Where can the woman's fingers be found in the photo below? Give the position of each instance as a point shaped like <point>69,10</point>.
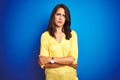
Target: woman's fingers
<point>74,66</point>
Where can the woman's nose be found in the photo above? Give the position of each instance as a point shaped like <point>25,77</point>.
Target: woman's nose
<point>60,17</point>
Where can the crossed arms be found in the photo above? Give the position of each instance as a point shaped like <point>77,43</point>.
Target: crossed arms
<point>59,62</point>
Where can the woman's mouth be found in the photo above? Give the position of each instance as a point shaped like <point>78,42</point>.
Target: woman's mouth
<point>59,21</point>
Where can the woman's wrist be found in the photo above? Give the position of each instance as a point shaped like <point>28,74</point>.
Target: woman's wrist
<point>52,61</point>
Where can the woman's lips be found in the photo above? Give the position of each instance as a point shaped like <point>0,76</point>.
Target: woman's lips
<point>59,21</point>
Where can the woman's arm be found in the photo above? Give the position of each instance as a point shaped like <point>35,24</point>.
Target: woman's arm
<point>64,60</point>
<point>53,65</point>
<point>58,65</point>
<point>59,62</point>
<point>44,61</point>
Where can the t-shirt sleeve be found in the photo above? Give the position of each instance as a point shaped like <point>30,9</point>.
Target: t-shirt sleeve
<point>44,45</point>
<point>74,47</point>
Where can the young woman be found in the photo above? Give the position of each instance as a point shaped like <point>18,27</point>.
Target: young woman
<point>59,49</point>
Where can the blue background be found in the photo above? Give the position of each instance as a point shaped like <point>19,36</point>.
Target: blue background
<point>97,23</point>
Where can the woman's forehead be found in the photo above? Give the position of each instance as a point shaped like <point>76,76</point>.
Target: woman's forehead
<point>60,10</point>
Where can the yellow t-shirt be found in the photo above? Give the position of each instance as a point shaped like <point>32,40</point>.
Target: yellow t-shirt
<point>51,48</point>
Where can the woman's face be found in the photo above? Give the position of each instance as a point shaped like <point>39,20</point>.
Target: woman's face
<point>60,17</point>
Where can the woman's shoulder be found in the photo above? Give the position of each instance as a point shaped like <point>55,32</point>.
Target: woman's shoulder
<point>73,32</point>
<point>45,34</point>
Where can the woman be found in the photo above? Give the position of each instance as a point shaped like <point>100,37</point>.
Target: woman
<point>59,50</point>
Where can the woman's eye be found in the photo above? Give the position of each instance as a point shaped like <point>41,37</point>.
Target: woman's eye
<point>58,14</point>
<point>64,15</point>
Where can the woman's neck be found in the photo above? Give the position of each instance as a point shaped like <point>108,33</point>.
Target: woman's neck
<point>58,29</point>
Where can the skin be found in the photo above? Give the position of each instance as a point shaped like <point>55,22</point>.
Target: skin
<point>62,61</point>
<point>59,22</point>
<point>59,18</point>
<point>59,62</point>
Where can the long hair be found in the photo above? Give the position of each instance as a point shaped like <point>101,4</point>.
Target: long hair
<point>66,27</point>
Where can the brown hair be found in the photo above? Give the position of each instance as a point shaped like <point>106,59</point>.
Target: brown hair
<point>66,27</point>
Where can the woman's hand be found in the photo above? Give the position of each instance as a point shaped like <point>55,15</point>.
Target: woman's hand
<point>73,65</point>
<point>44,60</point>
